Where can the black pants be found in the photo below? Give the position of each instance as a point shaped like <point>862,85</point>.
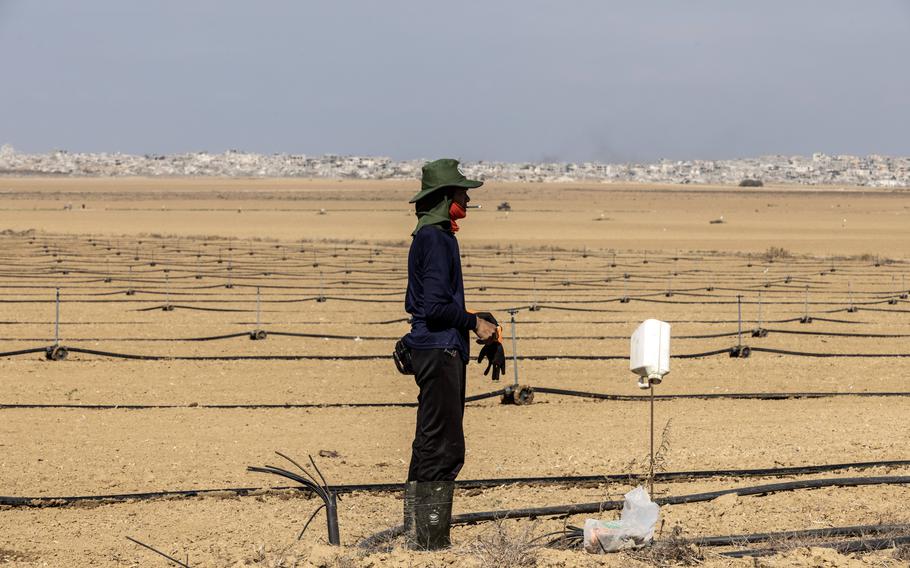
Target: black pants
<point>437,453</point>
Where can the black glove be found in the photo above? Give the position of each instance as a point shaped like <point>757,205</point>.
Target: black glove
<point>496,356</point>
<point>487,316</point>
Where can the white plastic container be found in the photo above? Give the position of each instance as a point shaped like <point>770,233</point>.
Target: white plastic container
<point>650,352</point>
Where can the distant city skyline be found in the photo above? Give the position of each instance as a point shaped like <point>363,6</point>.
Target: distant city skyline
<point>508,81</point>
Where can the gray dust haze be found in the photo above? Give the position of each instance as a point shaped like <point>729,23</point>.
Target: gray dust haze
<point>509,80</point>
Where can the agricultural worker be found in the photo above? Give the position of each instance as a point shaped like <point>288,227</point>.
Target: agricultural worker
<point>439,351</point>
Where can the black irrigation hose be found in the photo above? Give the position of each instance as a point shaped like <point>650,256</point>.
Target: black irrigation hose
<point>215,337</point>
<point>716,396</point>
<point>741,539</point>
<point>246,406</point>
<point>525,338</point>
<point>846,547</point>
<point>835,333</point>
<point>810,354</point>
<point>712,353</point>
<point>573,536</point>
<point>474,398</point>
<point>23,352</point>
<point>227,357</point>
<point>197,308</point>
<point>461,484</point>
<point>599,506</point>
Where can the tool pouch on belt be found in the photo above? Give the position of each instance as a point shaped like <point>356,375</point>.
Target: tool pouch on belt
<point>402,357</point>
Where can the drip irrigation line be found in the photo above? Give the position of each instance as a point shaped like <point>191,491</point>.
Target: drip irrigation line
<point>569,309</point>
<point>712,353</point>
<point>243,406</point>
<point>573,537</point>
<point>741,539</point>
<point>845,547</point>
<point>810,354</point>
<point>197,308</point>
<point>394,337</point>
<point>461,484</point>
<point>474,398</point>
<point>756,490</point>
<point>227,357</point>
<point>332,336</point>
<point>718,396</point>
<point>895,310</point>
<point>600,506</point>
<point>835,333</point>
<point>23,352</point>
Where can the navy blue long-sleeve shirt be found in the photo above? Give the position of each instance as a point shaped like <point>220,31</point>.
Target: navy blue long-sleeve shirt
<point>435,295</point>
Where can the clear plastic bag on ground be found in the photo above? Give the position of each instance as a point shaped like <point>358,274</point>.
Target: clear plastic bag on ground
<point>634,528</point>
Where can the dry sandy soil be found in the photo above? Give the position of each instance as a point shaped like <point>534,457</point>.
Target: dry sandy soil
<point>97,424</point>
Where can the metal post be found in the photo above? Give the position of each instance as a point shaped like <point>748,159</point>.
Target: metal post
<point>514,349</point>
<point>167,289</point>
<point>807,302</point>
<point>651,465</point>
<point>759,309</point>
<point>57,321</point>
<point>739,326</point>
<point>850,294</point>
<point>257,308</point>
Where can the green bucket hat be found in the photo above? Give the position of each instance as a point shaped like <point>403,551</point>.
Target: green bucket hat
<point>442,173</point>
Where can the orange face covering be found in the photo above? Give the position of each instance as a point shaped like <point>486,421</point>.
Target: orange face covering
<point>456,212</point>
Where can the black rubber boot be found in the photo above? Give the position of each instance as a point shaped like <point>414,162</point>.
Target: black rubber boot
<point>410,490</point>
<point>432,515</point>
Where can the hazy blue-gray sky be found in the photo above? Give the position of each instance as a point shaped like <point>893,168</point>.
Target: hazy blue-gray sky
<point>494,80</point>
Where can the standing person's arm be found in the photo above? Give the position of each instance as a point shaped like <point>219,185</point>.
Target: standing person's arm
<point>439,308</point>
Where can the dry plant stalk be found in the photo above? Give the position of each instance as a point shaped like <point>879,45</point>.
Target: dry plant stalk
<point>675,550</point>
<point>643,463</point>
<point>504,547</point>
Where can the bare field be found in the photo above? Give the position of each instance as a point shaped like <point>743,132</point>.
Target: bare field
<point>329,261</point>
